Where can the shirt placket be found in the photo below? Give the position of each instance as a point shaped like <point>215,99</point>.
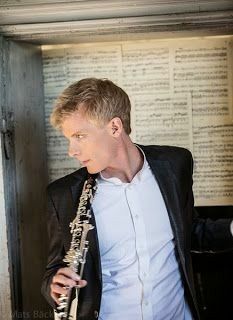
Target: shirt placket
<point>141,249</point>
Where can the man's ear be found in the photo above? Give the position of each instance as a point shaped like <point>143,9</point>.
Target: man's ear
<point>115,127</point>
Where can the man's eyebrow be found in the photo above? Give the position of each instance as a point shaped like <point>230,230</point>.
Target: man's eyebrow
<point>76,133</point>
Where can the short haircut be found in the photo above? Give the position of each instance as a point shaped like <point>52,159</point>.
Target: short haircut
<point>99,99</point>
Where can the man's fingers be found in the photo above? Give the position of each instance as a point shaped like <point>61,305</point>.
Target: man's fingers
<point>81,283</point>
<point>69,273</point>
<point>57,289</point>
<point>63,280</point>
<point>55,298</point>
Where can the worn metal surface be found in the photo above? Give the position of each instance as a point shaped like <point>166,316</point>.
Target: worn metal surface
<point>5,292</point>
<point>25,11</point>
<point>27,100</point>
<point>25,176</point>
<point>5,296</point>
<point>9,253</point>
<point>83,21</point>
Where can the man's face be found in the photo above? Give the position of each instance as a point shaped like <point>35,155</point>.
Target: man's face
<point>91,144</point>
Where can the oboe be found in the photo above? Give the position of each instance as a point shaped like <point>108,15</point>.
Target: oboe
<point>76,255</point>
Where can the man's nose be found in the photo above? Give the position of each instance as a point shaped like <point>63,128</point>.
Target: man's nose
<point>74,151</point>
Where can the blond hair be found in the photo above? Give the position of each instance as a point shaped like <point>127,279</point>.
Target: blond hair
<point>100,99</point>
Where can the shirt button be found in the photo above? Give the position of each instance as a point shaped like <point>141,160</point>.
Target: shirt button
<point>136,216</point>
<point>146,303</point>
<point>144,274</point>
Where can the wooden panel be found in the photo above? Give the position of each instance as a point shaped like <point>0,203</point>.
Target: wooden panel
<point>24,104</point>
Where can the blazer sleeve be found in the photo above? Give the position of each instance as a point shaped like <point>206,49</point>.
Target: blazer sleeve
<point>56,249</point>
<point>208,235</point>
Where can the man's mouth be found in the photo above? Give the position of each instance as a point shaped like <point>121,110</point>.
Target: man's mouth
<point>85,162</point>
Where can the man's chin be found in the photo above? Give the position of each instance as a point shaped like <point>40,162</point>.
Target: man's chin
<point>92,170</point>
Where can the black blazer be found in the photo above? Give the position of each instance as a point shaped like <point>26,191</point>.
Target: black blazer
<point>172,168</point>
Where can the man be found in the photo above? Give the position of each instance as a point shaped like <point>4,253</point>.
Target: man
<point>138,264</point>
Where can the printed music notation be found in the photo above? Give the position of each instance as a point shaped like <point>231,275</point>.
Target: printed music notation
<point>181,94</point>
<point>161,119</point>
<point>213,150</point>
<point>61,67</point>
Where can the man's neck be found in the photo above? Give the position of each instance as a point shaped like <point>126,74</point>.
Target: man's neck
<point>128,161</point>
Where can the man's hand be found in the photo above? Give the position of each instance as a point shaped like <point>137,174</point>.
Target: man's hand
<point>65,277</point>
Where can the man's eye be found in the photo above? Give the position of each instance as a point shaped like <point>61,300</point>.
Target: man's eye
<point>80,136</point>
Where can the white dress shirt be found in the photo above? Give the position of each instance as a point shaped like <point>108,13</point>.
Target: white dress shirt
<point>141,278</point>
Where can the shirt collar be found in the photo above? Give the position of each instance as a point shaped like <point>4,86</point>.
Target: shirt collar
<point>140,175</point>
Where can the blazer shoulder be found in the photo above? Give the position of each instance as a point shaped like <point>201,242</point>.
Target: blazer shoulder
<point>166,152</point>
<point>180,159</point>
<point>179,154</point>
<point>67,181</point>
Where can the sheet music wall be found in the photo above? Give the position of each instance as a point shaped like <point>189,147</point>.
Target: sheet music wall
<point>181,94</point>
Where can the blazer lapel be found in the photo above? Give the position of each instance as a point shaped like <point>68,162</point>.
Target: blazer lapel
<point>76,191</point>
<point>68,210</point>
<point>77,186</point>
<point>166,180</point>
